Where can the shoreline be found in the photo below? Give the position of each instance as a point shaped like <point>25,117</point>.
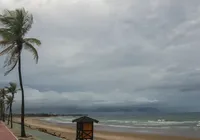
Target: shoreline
<point>68,132</point>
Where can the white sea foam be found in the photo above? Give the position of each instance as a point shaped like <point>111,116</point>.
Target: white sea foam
<point>160,123</point>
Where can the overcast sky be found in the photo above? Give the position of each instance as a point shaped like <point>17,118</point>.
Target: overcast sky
<point>112,52</point>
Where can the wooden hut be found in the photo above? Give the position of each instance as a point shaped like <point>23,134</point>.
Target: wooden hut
<point>85,128</point>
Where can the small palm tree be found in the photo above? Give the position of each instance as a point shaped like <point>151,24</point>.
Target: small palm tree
<point>3,94</point>
<point>9,103</point>
<point>13,90</point>
<point>16,24</point>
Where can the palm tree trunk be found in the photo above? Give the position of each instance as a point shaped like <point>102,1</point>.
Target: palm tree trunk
<point>11,115</point>
<point>8,116</point>
<point>3,110</point>
<point>11,122</point>
<point>23,134</point>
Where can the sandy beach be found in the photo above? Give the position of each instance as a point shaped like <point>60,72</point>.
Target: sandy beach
<point>68,132</point>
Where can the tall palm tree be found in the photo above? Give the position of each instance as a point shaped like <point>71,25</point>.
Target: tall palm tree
<point>11,89</point>
<point>9,102</point>
<point>3,94</point>
<point>16,24</point>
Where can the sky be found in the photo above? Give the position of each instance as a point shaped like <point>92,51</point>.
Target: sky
<point>98,53</point>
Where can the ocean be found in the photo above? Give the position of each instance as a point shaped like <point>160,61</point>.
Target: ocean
<point>177,124</point>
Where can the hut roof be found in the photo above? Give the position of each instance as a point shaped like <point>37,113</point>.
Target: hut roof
<point>85,119</point>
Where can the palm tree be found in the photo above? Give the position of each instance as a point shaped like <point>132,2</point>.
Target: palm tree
<point>11,89</point>
<point>3,94</point>
<point>16,24</point>
<point>9,102</point>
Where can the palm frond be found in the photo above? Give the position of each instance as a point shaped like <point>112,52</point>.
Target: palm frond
<point>8,106</point>
<point>31,49</point>
<point>33,41</point>
<point>10,69</point>
<point>5,42</point>
<point>9,98</point>
<point>7,34</point>
<point>18,22</point>
<point>13,85</point>
<point>3,92</point>
<point>12,56</point>
<point>11,60</point>
<point>12,88</point>
<point>27,24</point>
<point>24,21</point>
<point>8,49</point>
<point>9,101</point>
<point>7,18</point>
<point>1,100</point>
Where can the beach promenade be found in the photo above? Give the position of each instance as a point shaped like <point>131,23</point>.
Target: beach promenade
<point>5,133</point>
<point>37,134</point>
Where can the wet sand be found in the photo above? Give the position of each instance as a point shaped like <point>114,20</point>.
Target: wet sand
<point>68,132</point>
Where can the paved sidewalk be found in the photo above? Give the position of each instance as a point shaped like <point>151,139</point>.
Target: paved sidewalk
<point>5,133</point>
<point>37,134</point>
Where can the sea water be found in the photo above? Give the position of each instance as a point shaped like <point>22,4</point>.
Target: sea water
<point>179,124</point>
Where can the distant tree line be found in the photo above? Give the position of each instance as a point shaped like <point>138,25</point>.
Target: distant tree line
<point>48,115</point>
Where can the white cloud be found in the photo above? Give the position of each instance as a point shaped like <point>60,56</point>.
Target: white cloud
<point>36,98</point>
